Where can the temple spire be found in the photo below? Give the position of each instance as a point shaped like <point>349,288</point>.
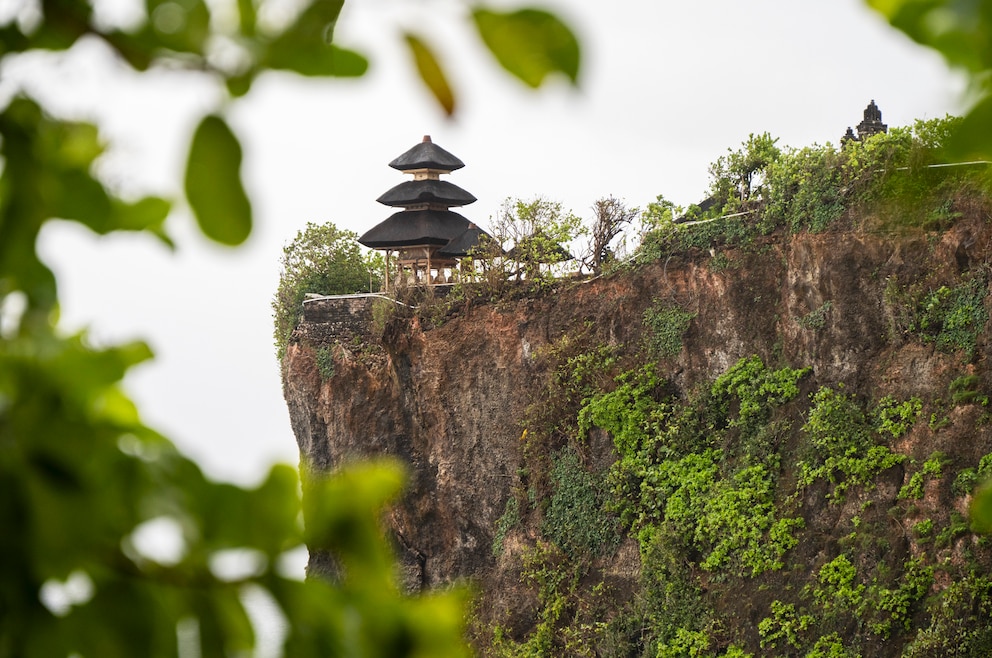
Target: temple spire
<point>871,124</point>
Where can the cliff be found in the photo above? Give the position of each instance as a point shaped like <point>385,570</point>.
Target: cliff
<point>824,520</point>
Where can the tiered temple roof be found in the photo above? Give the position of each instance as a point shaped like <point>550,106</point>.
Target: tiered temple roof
<point>427,155</point>
<point>428,190</point>
<point>426,235</point>
<point>414,228</point>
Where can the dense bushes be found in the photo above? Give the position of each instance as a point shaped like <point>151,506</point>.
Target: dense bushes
<point>760,189</point>
<point>714,488</point>
<point>324,260</point>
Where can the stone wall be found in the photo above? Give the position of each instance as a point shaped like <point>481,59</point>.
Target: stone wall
<point>339,316</point>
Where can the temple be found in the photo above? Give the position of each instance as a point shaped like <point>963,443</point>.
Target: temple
<point>870,125</point>
<point>424,242</point>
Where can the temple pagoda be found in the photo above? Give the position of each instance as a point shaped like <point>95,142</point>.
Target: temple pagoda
<point>870,125</point>
<point>424,241</point>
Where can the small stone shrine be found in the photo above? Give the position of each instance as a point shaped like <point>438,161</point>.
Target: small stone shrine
<point>424,242</point>
<point>870,125</point>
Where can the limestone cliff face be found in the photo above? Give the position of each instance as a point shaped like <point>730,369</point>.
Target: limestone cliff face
<point>449,399</point>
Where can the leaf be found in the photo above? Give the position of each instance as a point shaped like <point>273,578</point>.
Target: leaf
<point>179,25</point>
<point>958,30</point>
<point>147,214</point>
<point>248,15</point>
<point>341,514</point>
<point>265,518</point>
<point>431,73</point>
<point>972,138</point>
<point>529,43</point>
<point>305,47</point>
<point>213,183</point>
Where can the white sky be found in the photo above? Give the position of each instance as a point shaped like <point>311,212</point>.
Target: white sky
<point>666,88</point>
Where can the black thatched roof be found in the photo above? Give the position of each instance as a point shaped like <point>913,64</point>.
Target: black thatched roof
<point>427,155</point>
<point>413,227</point>
<point>464,243</point>
<point>426,191</point>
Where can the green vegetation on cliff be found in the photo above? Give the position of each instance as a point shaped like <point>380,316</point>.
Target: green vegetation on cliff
<point>729,493</point>
<point>773,511</point>
<point>892,181</point>
<point>323,260</point>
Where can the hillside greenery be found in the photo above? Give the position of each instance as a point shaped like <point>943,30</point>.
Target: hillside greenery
<point>715,487</point>
<point>892,181</point>
<point>772,513</point>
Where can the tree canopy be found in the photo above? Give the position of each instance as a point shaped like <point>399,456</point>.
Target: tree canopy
<point>325,260</point>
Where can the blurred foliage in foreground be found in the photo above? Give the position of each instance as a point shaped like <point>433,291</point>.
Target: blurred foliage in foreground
<point>83,482</point>
<point>960,32</point>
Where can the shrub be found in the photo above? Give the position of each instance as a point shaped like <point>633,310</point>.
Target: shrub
<point>666,325</point>
<point>965,390</point>
<point>509,519</point>
<point>952,318</point>
<point>784,624</point>
<point>817,318</point>
<point>756,389</point>
<point>630,413</point>
<point>896,418</point>
<point>325,362</point>
<point>959,622</point>
<point>324,260</point>
<point>804,189</point>
<point>576,519</point>
<point>842,448</point>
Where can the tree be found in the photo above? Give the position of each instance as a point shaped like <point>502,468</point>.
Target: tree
<point>528,235</point>
<point>81,476</point>
<point>659,213</point>
<point>324,260</point>
<point>610,216</point>
<point>736,175</point>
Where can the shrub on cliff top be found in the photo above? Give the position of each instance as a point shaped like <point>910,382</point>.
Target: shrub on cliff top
<point>321,259</point>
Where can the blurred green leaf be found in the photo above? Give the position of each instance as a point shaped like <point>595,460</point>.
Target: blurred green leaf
<point>265,518</point>
<point>317,60</point>
<point>179,25</point>
<point>213,183</point>
<point>144,618</point>
<point>972,137</point>
<point>305,47</point>
<point>247,15</point>
<point>147,214</point>
<point>342,516</point>
<point>431,73</point>
<point>239,85</point>
<point>224,627</point>
<point>529,43</point>
<point>962,33</point>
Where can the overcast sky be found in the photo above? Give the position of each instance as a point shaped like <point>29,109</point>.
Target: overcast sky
<point>666,88</point>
